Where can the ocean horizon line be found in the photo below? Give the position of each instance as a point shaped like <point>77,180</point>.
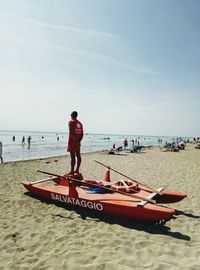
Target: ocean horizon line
<point>93,133</point>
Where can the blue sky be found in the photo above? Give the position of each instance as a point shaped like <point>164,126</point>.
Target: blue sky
<point>127,66</point>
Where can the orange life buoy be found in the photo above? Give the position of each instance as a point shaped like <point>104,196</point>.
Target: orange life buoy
<point>125,186</point>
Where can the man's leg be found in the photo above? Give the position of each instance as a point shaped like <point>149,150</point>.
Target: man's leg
<point>78,156</point>
<point>72,162</point>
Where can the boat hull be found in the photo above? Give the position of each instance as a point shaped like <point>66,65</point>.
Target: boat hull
<point>169,197</point>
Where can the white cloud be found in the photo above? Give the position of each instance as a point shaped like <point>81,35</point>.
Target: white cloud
<point>61,27</point>
<point>102,58</point>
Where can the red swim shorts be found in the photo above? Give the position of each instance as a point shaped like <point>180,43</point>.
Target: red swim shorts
<point>72,148</point>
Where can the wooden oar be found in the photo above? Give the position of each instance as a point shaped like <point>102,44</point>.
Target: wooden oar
<point>103,187</point>
<point>108,167</point>
<point>42,180</point>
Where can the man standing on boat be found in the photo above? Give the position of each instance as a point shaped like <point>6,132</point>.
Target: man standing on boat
<point>74,142</point>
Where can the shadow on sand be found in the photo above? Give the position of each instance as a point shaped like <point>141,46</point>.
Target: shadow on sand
<point>149,227</point>
<point>182,213</point>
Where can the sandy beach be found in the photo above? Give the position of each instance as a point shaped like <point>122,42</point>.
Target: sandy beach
<point>36,235</point>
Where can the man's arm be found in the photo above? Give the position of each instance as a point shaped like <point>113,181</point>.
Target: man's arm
<point>81,137</point>
<point>72,133</point>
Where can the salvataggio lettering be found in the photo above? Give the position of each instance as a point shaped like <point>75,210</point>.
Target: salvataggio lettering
<point>77,202</point>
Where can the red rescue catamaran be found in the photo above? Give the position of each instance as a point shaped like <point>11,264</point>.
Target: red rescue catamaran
<point>124,199</point>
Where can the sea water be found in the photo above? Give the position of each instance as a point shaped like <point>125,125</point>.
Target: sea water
<point>50,144</point>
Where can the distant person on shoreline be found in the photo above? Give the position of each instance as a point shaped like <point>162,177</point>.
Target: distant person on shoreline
<point>23,140</point>
<point>13,138</point>
<point>1,146</point>
<point>29,141</point>
<point>133,142</point>
<point>125,143</point>
<point>74,142</point>
<point>136,141</point>
<point>112,150</point>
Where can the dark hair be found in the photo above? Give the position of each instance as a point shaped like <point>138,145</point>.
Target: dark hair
<point>74,113</point>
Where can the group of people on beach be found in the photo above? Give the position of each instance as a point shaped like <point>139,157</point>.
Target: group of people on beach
<point>13,139</point>
<point>195,140</point>
<point>135,146</point>
<point>133,143</point>
<point>28,140</point>
<point>23,140</point>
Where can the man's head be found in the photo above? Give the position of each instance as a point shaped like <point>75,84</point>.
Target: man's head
<point>74,115</point>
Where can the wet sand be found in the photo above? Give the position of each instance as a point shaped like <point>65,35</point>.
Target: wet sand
<point>36,235</point>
